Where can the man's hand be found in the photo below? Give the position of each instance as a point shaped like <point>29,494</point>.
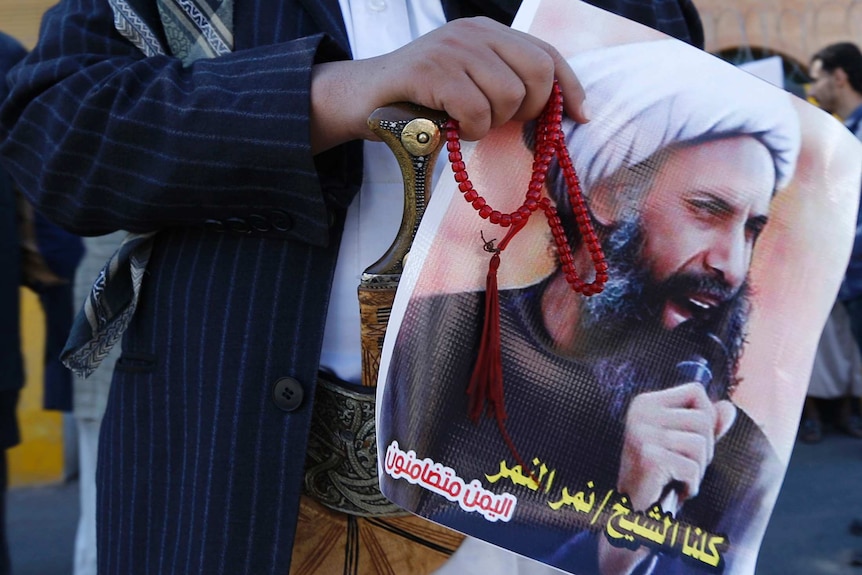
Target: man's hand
<point>478,71</point>
<point>670,437</point>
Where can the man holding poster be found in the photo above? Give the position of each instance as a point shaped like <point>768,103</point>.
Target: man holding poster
<point>630,451</point>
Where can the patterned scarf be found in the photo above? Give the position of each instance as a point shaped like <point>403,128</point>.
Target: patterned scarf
<point>194,29</point>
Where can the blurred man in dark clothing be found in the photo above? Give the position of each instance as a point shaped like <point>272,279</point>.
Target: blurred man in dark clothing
<point>11,366</point>
<point>836,73</point>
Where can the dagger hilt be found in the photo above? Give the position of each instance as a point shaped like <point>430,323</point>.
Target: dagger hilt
<point>414,134</point>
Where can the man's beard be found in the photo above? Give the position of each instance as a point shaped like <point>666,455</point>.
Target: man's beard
<point>625,340</point>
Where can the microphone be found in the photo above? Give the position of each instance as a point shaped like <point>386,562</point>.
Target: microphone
<point>694,369</point>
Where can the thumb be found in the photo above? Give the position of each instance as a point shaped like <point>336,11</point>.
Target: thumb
<point>725,415</point>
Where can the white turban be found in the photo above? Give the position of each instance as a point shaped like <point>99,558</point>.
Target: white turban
<point>645,96</point>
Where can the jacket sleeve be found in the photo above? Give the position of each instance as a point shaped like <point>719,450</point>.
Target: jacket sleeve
<point>102,138</point>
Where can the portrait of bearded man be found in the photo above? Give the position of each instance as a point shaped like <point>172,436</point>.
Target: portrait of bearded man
<point>628,392</point>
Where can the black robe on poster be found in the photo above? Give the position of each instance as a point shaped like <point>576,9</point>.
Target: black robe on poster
<point>559,415</point>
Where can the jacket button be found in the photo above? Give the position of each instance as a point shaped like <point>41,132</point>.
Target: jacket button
<point>238,225</point>
<point>214,225</point>
<point>259,223</point>
<point>281,221</point>
<point>287,394</point>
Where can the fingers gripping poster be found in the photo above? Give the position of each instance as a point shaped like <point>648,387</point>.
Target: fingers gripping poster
<point>648,427</point>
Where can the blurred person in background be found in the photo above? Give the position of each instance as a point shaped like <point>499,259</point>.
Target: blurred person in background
<point>836,86</point>
<point>837,372</point>
<point>11,364</point>
<point>90,395</point>
<point>836,74</point>
<point>61,252</point>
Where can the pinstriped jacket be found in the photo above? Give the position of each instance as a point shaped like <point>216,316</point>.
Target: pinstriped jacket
<point>200,462</point>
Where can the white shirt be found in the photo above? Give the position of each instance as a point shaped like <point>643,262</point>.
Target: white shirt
<point>374,27</point>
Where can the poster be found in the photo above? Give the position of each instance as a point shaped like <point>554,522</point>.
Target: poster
<point>648,428</point>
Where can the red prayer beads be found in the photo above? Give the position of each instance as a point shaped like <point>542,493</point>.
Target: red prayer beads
<point>550,142</point>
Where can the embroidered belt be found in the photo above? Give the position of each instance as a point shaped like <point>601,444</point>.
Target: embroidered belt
<point>341,461</point>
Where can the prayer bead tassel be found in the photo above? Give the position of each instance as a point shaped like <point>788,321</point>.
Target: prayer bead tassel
<point>486,382</point>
